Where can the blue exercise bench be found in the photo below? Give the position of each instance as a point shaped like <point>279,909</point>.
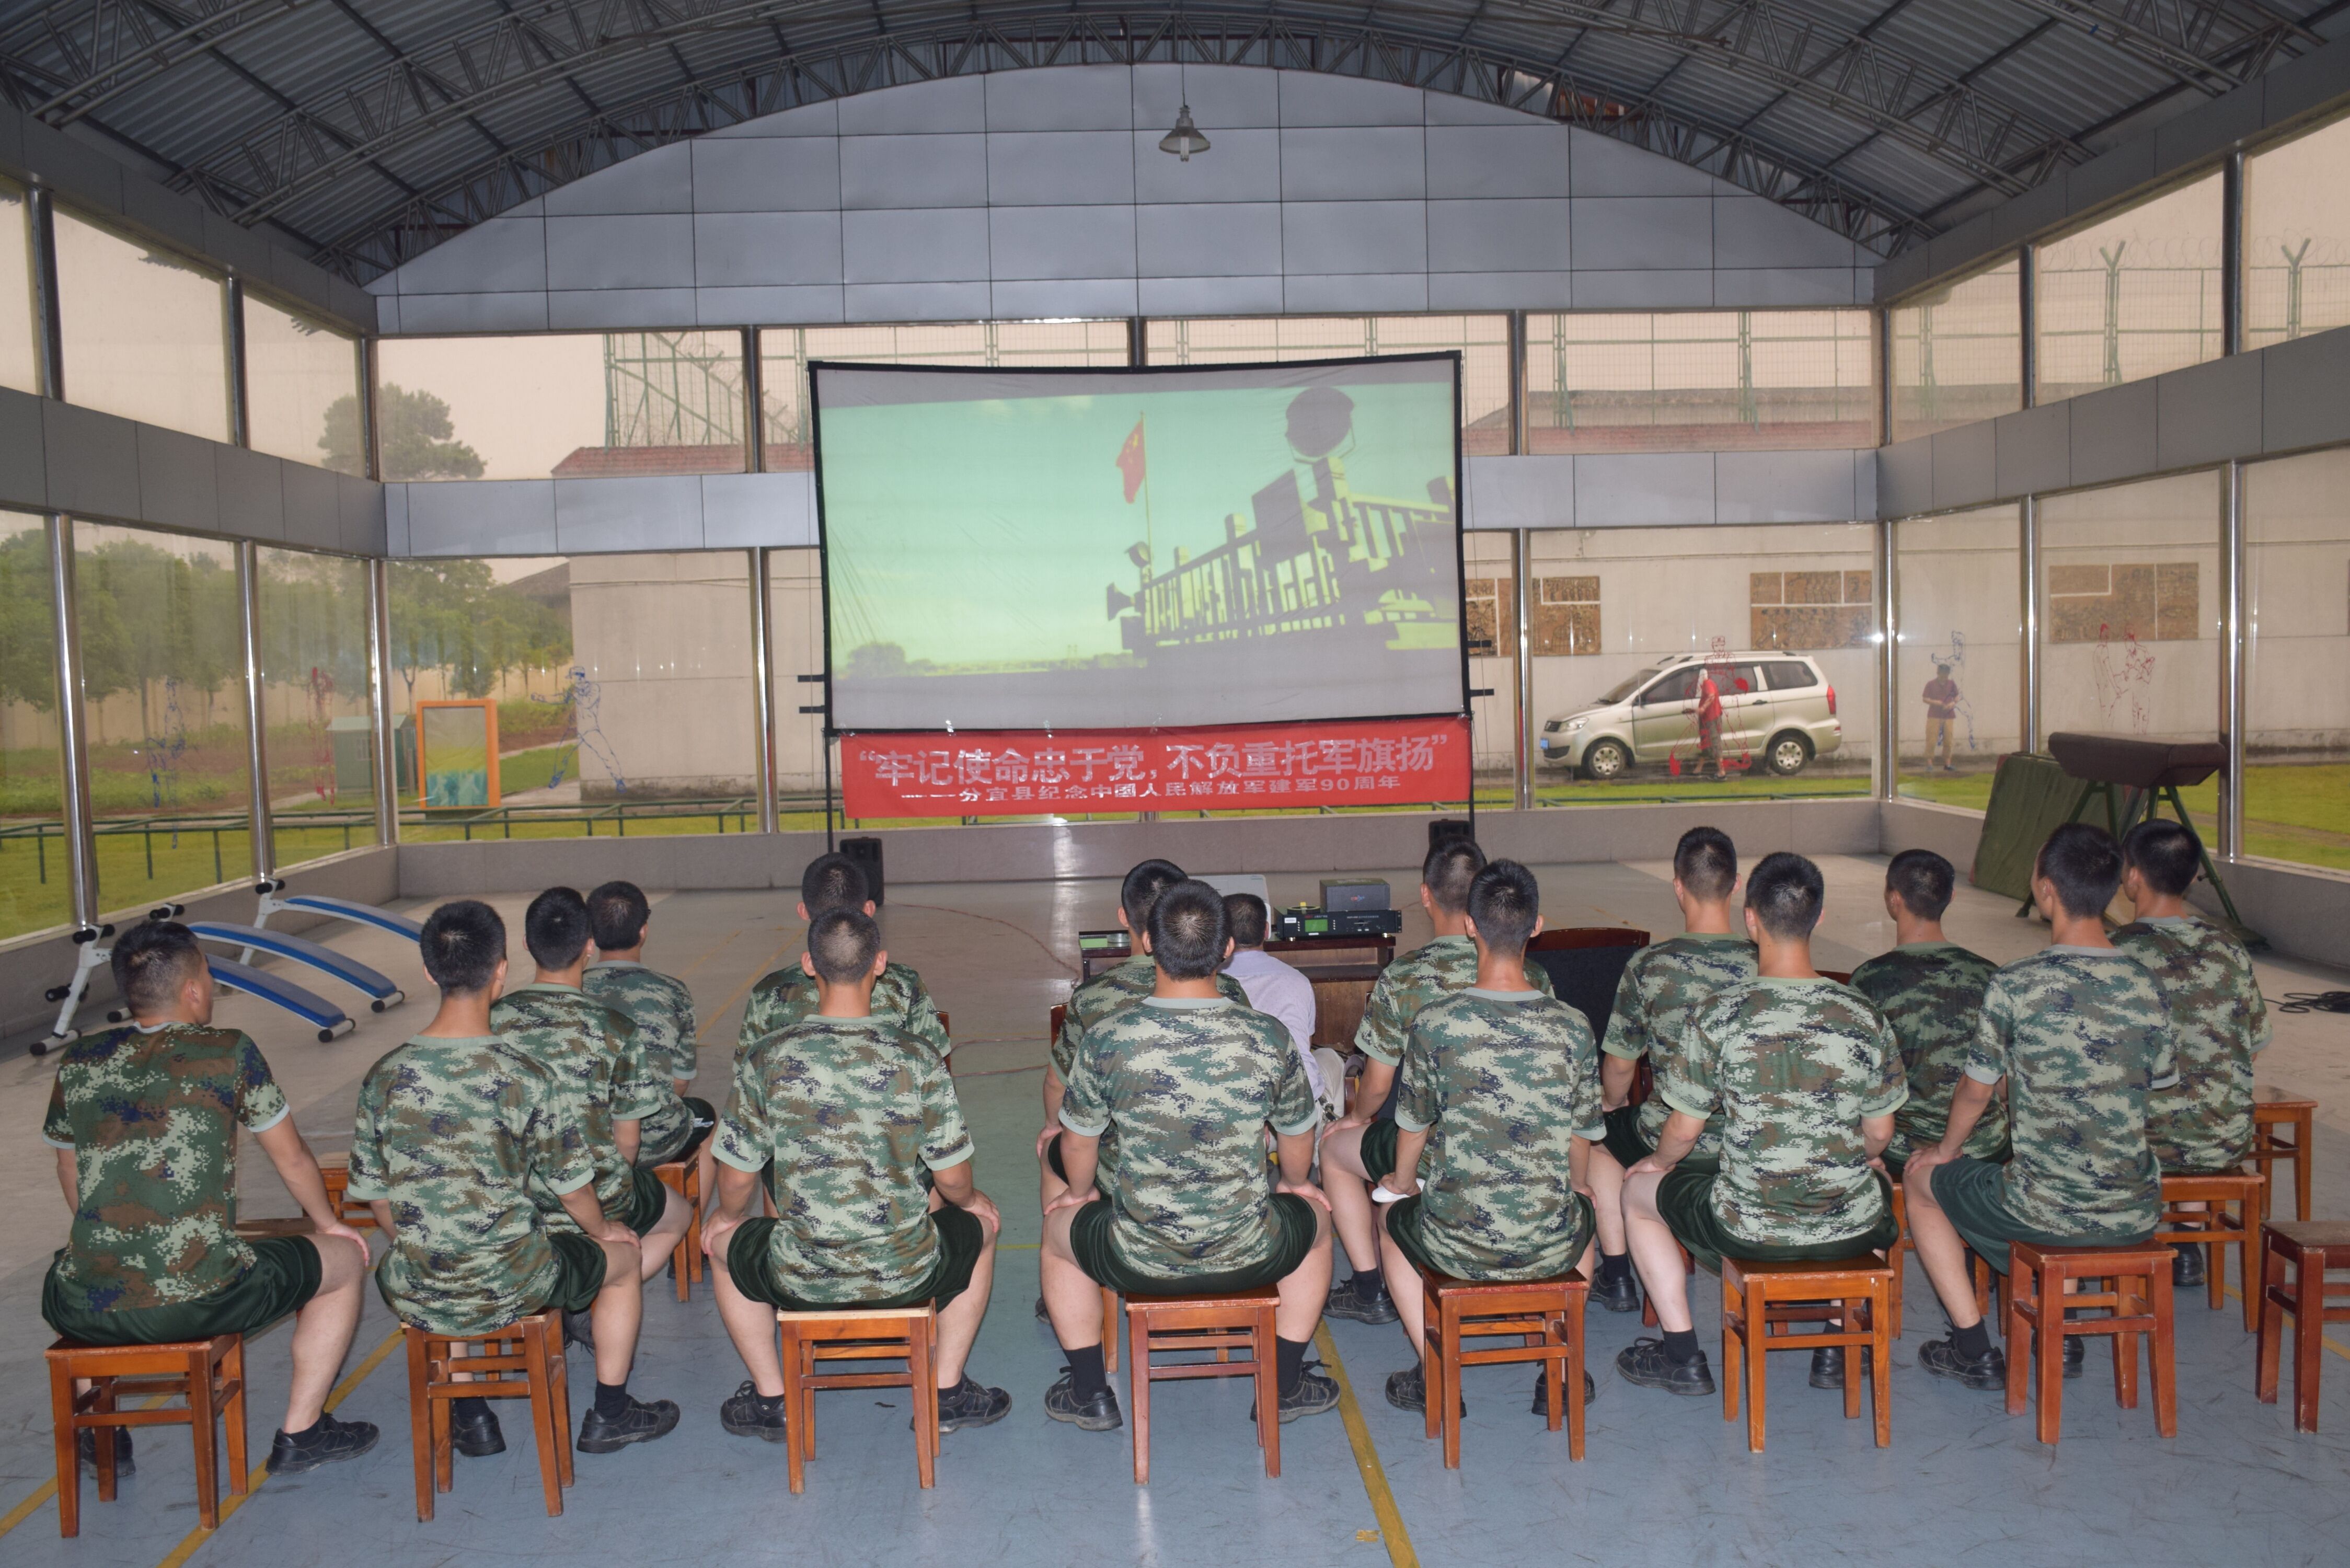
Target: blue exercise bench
<point>91,955</point>
<point>373,983</point>
<point>334,908</point>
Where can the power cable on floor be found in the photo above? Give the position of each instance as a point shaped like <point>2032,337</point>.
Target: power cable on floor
<point>2314,1001</point>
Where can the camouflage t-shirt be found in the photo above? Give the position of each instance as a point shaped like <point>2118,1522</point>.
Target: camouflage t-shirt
<point>1425,975</point>
<point>1120,985</point>
<point>2083,1037</point>
<point>454,1134</point>
<point>1792,1066</point>
<point>1502,1082</point>
<point>662,1007</point>
<point>784,996</point>
<point>2218,1023</point>
<point>600,1068</point>
<point>1658,1000</point>
<point>1931,992</point>
<point>152,1118</point>
<point>850,1110</point>
<point>1189,1083</point>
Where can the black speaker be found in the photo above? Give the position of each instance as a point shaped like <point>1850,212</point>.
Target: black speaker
<point>1444,828</point>
<point>867,852</point>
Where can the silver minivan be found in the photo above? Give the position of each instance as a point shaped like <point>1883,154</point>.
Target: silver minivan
<point>1778,712</point>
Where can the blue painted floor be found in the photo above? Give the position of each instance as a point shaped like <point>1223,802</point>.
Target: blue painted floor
<point>1666,1480</point>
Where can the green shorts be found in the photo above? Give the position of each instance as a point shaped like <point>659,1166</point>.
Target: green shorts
<point>1685,1200</point>
<point>641,1205</point>
<point>1405,1221</point>
<point>701,1117</point>
<point>750,1261</point>
<point>1973,1194</point>
<point>1090,1244</point>
<point>283,1278</point>
<point>1630,1145</point>
<point>1378,1149</point>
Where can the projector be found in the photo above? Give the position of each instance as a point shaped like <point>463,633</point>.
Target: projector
<point>1308,921</point>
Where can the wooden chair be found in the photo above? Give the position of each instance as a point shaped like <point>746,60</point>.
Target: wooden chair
<point>2135,1287</point>
<point>859,1334</point>
<point>2273,1111</point>
<point>2311,1249</point>
<point>1546,1316</point>
<point>209,1374</point>
<point>335,1170</point>
<point>1896,1259</point>
<point>523,1360</point>
<point>683,1176</point>
<point>1242,1321</point>
<point>2211,1229</point>
<point>1759,1296</point>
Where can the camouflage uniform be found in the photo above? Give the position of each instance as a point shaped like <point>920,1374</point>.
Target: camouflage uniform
<point>152,1118</point>
<point>1117,986</point>
<point>1657,1002</point>
<point>2219,1022</point>
<point>599,1067</point>
<point>786,996</point>
<point>1189,1083</point>
<point>455,1135</point>
<point>1931,994</point>
<point>1502,1082</point>
<point>662,1007</point>
<point>1792,1066</point>
<point>849,1110</point>
<point>2083,1037</point>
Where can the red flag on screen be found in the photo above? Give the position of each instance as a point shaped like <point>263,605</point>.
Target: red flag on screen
<point>1130,462</point>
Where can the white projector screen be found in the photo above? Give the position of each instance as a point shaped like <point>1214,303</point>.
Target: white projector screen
<point>1032,549</point>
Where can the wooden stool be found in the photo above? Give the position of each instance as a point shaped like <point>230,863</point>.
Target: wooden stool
<point>859,1334</point>
<point>2311,1250</point>
<point>1109,1329</point>
<point>2036,1324</point>
<point>2215,1233</point>
<point>523,1360</point>
<point>1757,1295</point>
<point>335,1170</point>
<point>1222,1323</point>
<point>2273,1109</point>
<point>683,1176</point>
<point>1546,1318</point>
<point>207,1373</point>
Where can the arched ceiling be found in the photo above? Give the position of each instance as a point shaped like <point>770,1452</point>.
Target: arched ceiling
<point>366,132</point>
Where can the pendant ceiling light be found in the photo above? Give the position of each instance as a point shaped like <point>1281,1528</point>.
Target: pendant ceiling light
<point>1185,138</point>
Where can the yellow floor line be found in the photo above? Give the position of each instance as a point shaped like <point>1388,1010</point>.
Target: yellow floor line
<point>701,1035</point>
<point>1393,1533</point>
<point>260,1472</point>
<point>48,1488</point>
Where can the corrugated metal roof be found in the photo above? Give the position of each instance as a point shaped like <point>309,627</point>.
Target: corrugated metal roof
<point>373,128</point>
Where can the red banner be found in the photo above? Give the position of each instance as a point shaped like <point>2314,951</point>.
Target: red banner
<point>1254,767</point>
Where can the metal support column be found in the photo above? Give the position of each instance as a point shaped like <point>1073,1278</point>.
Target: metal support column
<point>240,420</point>
<point>379,709</point>
<point>81,846</point>
<point>1137,342</point>
<point>1523,545</point>
<point>2027,316</point>
<point>370,446</point>
<point>257,737</point>
<point>1517,382</point>
<point>1888,624</point>
<point>762,683</point>
<point>2028,602</point>
<point>48,317</point>
<point>755,404</point>
<point>2236,630</point>
<point>2231,254</point>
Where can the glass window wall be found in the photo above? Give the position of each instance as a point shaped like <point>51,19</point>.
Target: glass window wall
<point>2297,237</point>
<point>1700,380</point>
<point>1483,342</point>
<point>33,893</point>
<point>301,388</point>
<point>314,699</point>
<point>595,405</point>
<point>2130,297</point>
<point>1490,628</point>
<point>146,331</point>
<point>1628,624</point>
<point>19,336</point>
<point>2297,705</point>
<point>1958,663</point>
<point>162,649</point>
<point>1957,353</point>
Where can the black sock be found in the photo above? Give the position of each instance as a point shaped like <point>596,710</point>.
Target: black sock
<point>1087,1377</point>
<point>1289,1364</point>
<point>611,1400</point>
<point>1369,1282</point>
<point>303,1435</point>
<point>471,1409</point>
<point>1971,1341</point>
<point>1681,1346</point>
<point>768,1407</point>
<point>1614,1266</point>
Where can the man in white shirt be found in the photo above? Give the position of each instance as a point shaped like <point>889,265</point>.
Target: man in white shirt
<point>1273,987</point>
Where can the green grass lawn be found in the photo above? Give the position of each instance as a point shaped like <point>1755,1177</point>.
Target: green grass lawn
<point>2292,811</point>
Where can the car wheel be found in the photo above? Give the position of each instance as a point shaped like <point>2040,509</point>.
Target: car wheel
<point>1788,754</point>
<point>1605,761</point>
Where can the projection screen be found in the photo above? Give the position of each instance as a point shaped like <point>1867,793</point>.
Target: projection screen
<point>1032,549</point>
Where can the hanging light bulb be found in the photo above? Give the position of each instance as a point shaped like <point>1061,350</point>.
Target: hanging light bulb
<point>1185,138</point>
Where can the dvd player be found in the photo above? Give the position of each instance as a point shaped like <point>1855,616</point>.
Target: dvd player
<point>1308,921</point>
